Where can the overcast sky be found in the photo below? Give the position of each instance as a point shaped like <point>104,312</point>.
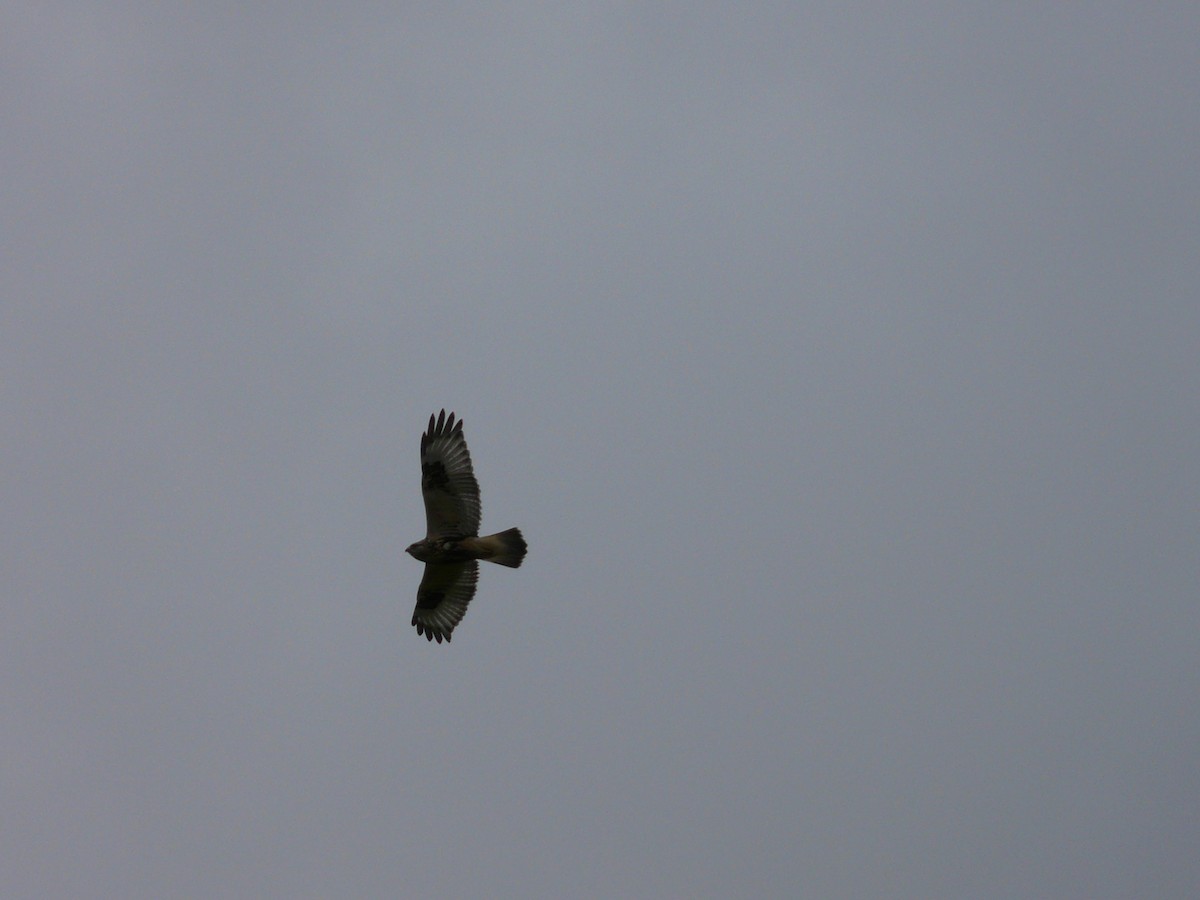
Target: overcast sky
<point>838,361</point>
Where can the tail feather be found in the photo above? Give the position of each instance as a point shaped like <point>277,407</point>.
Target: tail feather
<point>506,548</point>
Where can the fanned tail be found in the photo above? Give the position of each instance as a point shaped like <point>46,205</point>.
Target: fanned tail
<point>506,548</point>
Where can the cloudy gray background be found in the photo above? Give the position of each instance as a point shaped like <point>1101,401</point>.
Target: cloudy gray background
<point>838,361</point>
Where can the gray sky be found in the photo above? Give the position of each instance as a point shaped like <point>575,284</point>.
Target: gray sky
<point>838,361</point>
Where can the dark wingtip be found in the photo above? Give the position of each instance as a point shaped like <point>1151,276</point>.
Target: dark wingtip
<point>442,423</point>
<point>431,634</point>
<point>439,424</point>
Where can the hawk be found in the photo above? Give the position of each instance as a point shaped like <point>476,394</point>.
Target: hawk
<point>452,544</point>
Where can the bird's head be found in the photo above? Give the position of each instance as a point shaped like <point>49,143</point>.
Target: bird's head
<point>419,550</point>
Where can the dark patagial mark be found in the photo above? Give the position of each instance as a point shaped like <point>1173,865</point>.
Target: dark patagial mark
<point>430,600</point>
<point>434,475</point>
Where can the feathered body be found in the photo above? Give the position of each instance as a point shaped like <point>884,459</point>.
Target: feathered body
<point>452,544</point>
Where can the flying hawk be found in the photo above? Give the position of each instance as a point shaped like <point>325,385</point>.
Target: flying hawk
<point>452,543</point>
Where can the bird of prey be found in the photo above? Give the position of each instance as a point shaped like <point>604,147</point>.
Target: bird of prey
<point>452,544</point>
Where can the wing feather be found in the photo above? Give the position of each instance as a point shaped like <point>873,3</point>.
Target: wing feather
<point>442,598</point>
<point>452,505</point>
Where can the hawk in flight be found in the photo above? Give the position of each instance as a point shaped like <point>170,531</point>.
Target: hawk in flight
<point>452,543</point>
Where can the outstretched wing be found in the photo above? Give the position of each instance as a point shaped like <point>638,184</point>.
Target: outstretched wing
<point>448,481</point>
<point>442,598</point>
